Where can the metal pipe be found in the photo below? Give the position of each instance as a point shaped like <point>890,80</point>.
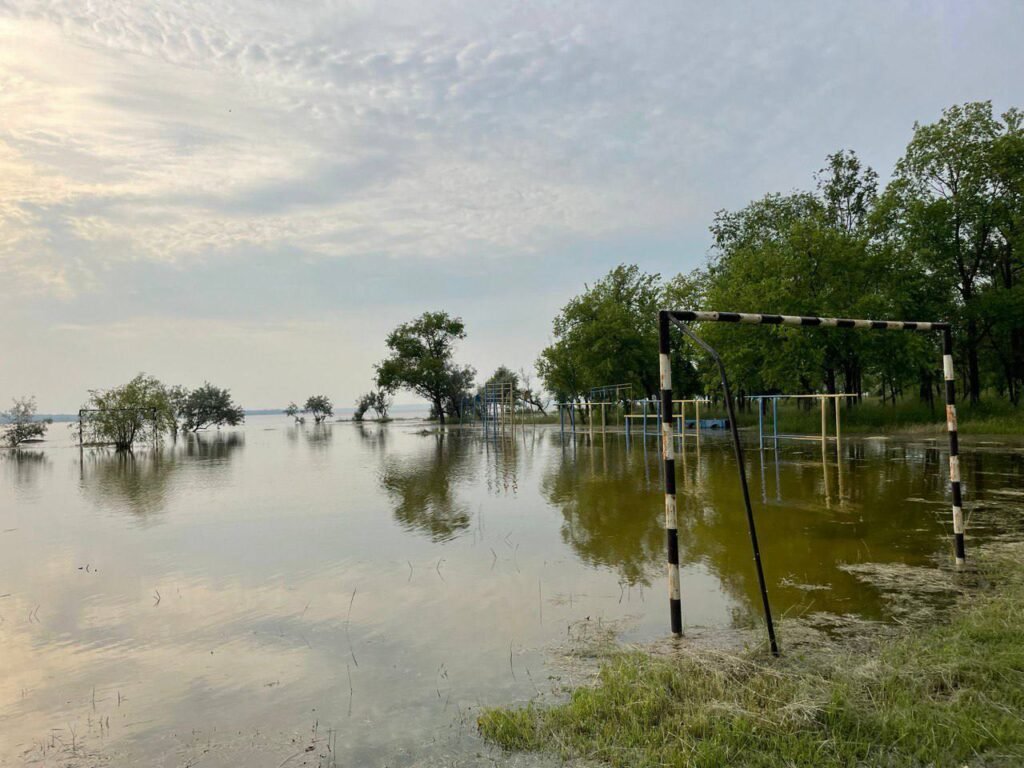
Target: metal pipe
<point>954,448</point>
<point>668,454</point>
<point>738,450</point>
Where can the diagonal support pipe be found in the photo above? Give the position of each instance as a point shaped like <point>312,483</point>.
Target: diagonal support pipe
<point>738,449</point>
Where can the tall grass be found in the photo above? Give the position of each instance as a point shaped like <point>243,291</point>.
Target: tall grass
<point>951,695</point>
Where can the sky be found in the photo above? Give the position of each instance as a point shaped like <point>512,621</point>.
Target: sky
<point>255,193</point>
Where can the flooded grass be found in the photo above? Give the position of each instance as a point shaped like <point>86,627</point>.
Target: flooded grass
<point>948,694</point>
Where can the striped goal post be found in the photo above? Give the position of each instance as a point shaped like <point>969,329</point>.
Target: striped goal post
<point>666,318</point>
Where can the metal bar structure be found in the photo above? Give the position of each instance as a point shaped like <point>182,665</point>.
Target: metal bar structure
<point>682,317</point>
<point>822,396</point>
<point>738,450</point>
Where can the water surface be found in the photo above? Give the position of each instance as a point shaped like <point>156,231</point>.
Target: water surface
<point>241,596</point>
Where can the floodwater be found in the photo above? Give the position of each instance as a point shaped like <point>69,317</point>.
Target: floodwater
<point>352,595</point>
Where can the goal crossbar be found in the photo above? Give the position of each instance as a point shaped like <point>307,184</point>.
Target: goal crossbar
<point>681,318</point>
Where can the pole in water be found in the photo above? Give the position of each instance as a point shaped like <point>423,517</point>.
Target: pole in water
<point>667,448</point>
<point>738,450</point>
<point>954,447</point>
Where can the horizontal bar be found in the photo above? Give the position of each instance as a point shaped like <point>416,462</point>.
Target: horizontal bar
<point>804,320</point>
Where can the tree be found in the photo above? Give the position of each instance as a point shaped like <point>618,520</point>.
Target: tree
<point>319,407</point>
<point>293,411</point>
<point>606,335</point>
<point>380,402</point>
<point>21,424</point>
<point>953,209</point>
<point>531,396</point>
<point>421,360</point>
<point>362,406</point>
<point>209,406</point>
<point>134,412</point>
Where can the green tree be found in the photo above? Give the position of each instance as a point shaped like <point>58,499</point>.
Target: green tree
<point>208,406</point>
<point>362,406</point>
<point>134,412</point>
<point>293,411</point>
<point>421,359</point>
<point>380,402</point>
<point>955,208</point>
<point>20,422</point>
<point>606,335</point>
<point>319,407</point>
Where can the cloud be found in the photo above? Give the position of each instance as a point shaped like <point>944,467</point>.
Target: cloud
<point>255,140</point>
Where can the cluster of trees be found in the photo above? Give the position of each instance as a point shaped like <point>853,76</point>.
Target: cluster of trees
<point>146,409</point>
<point>422,360</point>
<point>319,407</point>
<point>944,240</point>
<point>19,424</point>
<point>377,400</point>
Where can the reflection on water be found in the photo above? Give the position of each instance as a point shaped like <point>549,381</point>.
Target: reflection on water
<point>380,582</point>
<point>424,487</point>
<point>138,482</point>
<point>607,510</point>
<point>24,468</point>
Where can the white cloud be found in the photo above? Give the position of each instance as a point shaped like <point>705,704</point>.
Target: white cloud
<point>145,143</point>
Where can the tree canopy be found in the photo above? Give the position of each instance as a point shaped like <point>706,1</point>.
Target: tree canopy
<point>319,407</point>
<point>138,411</point>
<point>943,241</point>
<point>20,424</point>
<point>208,406</point>
<point>421,359</point>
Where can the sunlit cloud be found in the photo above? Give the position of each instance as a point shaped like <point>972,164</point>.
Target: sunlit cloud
<point>144,146</point>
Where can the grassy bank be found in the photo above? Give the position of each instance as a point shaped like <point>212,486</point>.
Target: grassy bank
<point>951,694</point>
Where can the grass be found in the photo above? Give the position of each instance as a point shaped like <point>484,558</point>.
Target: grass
<point>949,695</point>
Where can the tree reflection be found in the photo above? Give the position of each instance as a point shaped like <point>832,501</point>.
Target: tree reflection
<point>425,487</point>
<point>140,482</point>
<point>610,517</point>
<point>25,466</point>
<point>133,482</point>
<point>213,447</point>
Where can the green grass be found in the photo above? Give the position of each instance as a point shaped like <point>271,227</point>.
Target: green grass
<point>949,695</point>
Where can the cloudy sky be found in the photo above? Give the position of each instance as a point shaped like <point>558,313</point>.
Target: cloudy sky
<point>254,193</point>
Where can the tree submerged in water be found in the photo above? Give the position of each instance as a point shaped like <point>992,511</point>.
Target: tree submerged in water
<point>319,407</point>
<point>422,360</point>
<point>209,406</point>
<point>22,425</point>
<point>145,409</point>
<point>377,400</point>
<point>139,411</point>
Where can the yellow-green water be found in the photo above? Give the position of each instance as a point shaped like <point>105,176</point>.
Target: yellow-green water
<point>240,597</point>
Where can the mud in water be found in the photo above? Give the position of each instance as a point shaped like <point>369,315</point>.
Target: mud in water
<point>325,595</point>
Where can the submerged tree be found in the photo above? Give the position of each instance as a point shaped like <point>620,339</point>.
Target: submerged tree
<point>362,406</point>
<point>209,406</point>
<point>293,411</point>
<point>319,407</point>
<point>421,360</point>
<point>380,402</point>
<point>21,424</point>
<point>134,412</point>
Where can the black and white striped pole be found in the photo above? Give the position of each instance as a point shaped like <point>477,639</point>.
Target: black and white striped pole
<point>668,454</point>
<point>954,446</point>
<point>666,317</point>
